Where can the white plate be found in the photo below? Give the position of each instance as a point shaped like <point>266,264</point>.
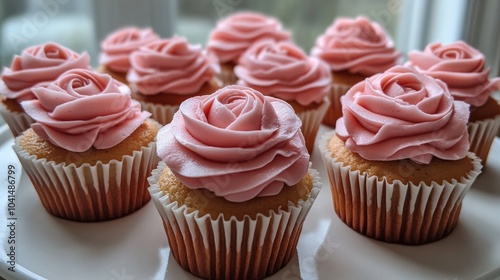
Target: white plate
<point>135,247</point>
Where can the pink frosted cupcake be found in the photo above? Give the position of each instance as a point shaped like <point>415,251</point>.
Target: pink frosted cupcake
<point>166,72</point>
<point>464,70</point>
<point>35,66</point>
<point>398,162</point>
<point>233,204</point>
<point>117,47</point>
<point>235,34</point>
<point>284,71</point>
<point>91,149</point>
<point>354,49</point>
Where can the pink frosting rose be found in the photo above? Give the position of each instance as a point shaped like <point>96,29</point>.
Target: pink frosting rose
<point>403,114</point>
<point>356,45</point>
<point>117,46</point>
<point>461,67</point>
<point>283,70</point>
<point>235,34</point>
<point>170,66</point>
<point>236,143</point>
<point>84,109</point>
<point>37,66</point>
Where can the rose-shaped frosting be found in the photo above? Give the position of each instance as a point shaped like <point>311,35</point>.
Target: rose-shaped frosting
<point>233,35</point>
<point>236,143</point>
<point>37,66</point>
<point>84,109</point>
<point>403,114</point>
<point>170,66</point>
<point>283,70</point>
<point>356,45</point>
<point>117,46</point>
<point>461,67</point>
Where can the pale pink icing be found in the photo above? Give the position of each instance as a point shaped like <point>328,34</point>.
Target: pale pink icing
<point>84,109</point>
<point>283,70</point>
<point>117,46</point>
<point>403,114</point>
<point>170,66</point>
<point>233,35</point>
<point>461,67</point>
<point>37,66</point>
<point>356,45</point>
<point>236,143</point>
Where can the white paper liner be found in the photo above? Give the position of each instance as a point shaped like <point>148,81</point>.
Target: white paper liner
<point>160,112</point>
<point>395,212</point>
<point>17,121</point>
<point>232,248</point>
<point>481,136</point>
<point>334,112</point>
<point>311,120</point>
<point>91,193</point>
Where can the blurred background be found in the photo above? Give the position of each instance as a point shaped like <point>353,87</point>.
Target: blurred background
<point>81,25</point>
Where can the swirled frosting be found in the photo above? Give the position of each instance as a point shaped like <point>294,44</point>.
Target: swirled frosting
<point>461,67</point>
<point>117,46</point>
<point>356,45</point>
<point>84,109</point>
<point>236,142</point>
<point>403,114</point>
<point>37,66</point>
<point>233,35</point>
<point>283,70</point>
<point>170,66</point>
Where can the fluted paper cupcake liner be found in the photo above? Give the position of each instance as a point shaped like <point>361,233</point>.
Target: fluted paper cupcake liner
<point>162,113</point>
<point>334,112</point>
<point>395,212</point>
<point>231,248</point>
<point>17,121</point>
<point>91,193</point>
<point>481,136</point>
<point>311,120</point>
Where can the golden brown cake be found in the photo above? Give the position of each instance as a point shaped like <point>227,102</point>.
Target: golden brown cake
<point>196,199</point>
<point>34,145</point>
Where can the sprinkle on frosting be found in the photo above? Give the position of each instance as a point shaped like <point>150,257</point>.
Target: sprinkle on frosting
<point>356,45</point>
<point>37,66</point>
<point>284,71</point>
<point>461,67</point>
<point>403,114</point>
<point>170,66</point>
<point>84,109</point>
<point>236,143</point>
<point>233,35</point>
<point>117,47</point>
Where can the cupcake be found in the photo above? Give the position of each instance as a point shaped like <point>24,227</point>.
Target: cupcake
<point>166,72</point>
<point>91,149</point>
<point>354,48</point>
<point>116,48</point>
<point>284,71</point>
<point>464,70</point>
<point>234,34</point>
<point>36,66</point>
<point>234,185</point>
<point>398,162</point>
